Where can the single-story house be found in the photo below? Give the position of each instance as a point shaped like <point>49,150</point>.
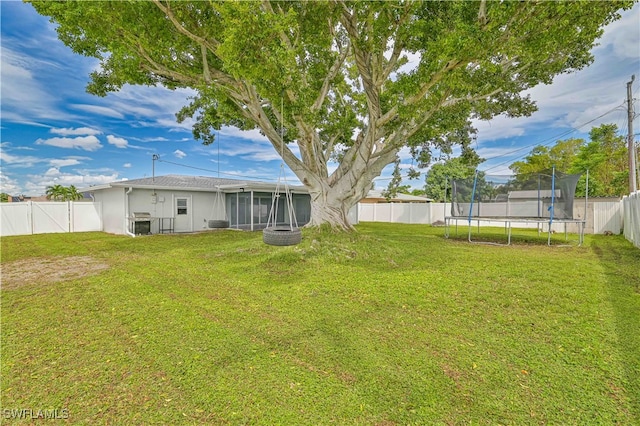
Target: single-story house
<point>176,203</point>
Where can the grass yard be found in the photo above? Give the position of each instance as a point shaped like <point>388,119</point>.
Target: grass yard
<point>391,325</point>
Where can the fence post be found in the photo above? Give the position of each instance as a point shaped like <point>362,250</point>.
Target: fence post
<point>30,215</point>
<point>69,216</point>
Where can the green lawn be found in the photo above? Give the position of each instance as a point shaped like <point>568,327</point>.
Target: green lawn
<point>391,325</point>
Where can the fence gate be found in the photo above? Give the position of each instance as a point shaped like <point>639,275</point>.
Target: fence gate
<point>48,218</point>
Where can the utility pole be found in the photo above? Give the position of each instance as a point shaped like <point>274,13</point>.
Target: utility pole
<point>154,157</point>
<point>631,143</point>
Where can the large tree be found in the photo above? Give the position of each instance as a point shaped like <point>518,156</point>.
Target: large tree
<point>606,159</point>
<point>604,156</point>
<point>543,159</point>
<point>439,177</point>
<point>357,81</point>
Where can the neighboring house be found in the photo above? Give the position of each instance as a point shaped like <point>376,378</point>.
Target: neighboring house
<point>176,203</point>
<point>22,198</point>
<point>375,196</point>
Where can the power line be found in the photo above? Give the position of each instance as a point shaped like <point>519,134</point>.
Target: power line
<point>542,142</point>
<point>548,140</point>
<point>214,171</point>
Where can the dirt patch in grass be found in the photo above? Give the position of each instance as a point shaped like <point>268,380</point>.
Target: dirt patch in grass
<point>46,270</point>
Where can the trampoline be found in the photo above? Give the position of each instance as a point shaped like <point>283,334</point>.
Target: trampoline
<point>531,201</point>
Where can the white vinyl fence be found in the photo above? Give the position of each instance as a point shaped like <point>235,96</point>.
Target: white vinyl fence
<point>631,213</point>
<point>32,217</point>
<point>601,216</point>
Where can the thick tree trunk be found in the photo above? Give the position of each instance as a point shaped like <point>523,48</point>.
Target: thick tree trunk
<point>332,197</point>
<point>332,209</point>
<point>330,204</point>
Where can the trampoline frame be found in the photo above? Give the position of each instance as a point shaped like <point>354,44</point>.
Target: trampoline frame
<point>450,220</point>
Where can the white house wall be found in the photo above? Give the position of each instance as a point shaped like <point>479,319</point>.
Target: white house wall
<point>162,205</point>
<point>113,209</point>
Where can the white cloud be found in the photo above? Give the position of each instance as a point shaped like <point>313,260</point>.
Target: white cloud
<point>127,165</point>
<point>142,148</point>
<point>151,139</point>
<point>501,127</point>
<point>623,36</point>
<point>52,172</point>
<point>9,145</point>
<point>37,184</point>
<point>233,132</point>
<point>22,95</point>
<point>152,106</point>
<point>573,102</point>
<point>80,131</point>
<point>118,142</point>
<point>250,145</point>
<point>21,160</point>
<point>87,143</point>
<point>99,110</point>
<point>63,162</point>
<point>9,185</point>
<point>179,153</point>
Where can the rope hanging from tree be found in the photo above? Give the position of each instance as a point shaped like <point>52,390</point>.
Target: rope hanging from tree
<point>285,234</point>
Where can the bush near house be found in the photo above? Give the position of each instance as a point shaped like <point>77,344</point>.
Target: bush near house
<point>390,325</point>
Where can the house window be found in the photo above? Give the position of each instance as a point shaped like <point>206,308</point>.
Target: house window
<point>181,204</point>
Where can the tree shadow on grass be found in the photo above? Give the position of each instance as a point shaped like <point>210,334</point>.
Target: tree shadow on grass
<point>621,263</point>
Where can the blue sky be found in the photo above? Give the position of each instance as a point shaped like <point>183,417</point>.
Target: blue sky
<point>53,132</point>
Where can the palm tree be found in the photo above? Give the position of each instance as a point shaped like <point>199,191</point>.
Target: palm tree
<point>73,194</point>
<point>63,193</point>
<point>56,192</point>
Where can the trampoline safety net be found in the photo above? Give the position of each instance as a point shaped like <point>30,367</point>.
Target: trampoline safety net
<point>536,196</point>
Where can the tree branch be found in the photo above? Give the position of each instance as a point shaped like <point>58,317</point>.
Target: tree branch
<point>398,46</point>
<point>251,107</point>
<point>363,61</point>
<point>435,78</point>
<point>161,70</point>
<point>333,71</point>
<point>200,40</point>
<point>284,38</point>
<point>453,101</point>
<point>482,13</point>
<point>205,65</point>
<point>329,149</point>
<point>153,66</point>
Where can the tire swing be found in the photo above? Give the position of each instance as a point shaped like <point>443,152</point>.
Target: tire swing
<point>283,235</point>
<point>219,211</point>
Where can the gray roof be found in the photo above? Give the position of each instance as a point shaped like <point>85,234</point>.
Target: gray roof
<point>193,183</point>
<point>182,182</point>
